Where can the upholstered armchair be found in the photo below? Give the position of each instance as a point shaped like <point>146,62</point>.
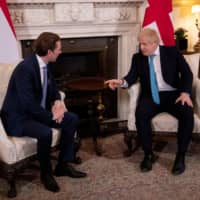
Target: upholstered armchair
<point>15,152</point>
<point>164,122</point>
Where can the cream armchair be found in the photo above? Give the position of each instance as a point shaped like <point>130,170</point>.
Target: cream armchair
<point>164,122</point>
<point>15,152</point>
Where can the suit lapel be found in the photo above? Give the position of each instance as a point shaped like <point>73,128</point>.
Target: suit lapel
<point>37,71</point>
<point>145,65</point>
<point>162,60</point>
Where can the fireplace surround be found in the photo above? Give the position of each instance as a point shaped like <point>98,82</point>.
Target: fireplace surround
<point>73,19</point>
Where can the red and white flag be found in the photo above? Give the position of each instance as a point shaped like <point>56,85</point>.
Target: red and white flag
<point>158,15</point>
<point>9,51</point>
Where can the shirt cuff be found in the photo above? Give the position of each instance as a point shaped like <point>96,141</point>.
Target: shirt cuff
<point>124,84</point>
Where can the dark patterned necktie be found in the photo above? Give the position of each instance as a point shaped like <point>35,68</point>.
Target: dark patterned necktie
<point>154,85</point>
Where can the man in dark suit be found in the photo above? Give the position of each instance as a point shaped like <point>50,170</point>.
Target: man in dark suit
<point>32,106</point>
<point>166,89</point>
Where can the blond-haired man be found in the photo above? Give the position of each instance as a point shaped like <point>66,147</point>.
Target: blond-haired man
<point>166,85</point>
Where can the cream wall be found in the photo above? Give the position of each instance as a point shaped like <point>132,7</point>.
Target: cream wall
<point>183,17</point>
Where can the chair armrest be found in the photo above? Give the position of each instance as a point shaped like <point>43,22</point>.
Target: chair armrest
<point>6,146</point>
<point>62,94</point>
<point>196,96</point>
<point>134,92</point>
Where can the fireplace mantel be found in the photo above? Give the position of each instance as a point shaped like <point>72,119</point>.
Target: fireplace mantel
<point>82,19</point>
<point>73,18</point>
<point>73,1</point>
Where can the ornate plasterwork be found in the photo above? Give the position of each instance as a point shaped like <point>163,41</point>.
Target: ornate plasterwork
<point>74,12</point>
<point>71,1</point>
<point>52,13</point>
<point>31,14</point>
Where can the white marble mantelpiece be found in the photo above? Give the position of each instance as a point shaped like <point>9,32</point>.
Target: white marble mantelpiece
<point>83,18</point>
<point>73,1</point>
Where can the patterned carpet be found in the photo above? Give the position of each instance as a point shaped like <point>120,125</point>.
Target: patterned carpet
<point>113,177</point>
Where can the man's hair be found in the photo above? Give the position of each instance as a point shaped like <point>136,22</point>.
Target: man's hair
<point>151,34</point>
<point>46,41</point>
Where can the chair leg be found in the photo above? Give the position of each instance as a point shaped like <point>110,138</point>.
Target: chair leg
<point>95,129</point>
<point>97,148</point>
<point>129,136</point>
<point>77,145</point>
<point>12,192</point>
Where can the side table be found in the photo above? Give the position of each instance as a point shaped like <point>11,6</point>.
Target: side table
<point>87,86</point>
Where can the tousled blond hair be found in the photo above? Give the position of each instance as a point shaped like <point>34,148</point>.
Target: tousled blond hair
<point>150,34</point>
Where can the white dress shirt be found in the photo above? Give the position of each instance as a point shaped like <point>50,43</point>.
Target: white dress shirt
<point>162,85</point>
<point>42,64</point>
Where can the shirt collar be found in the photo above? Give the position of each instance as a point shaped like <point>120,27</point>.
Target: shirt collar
<point>157,51</point>
<point>40,62</point>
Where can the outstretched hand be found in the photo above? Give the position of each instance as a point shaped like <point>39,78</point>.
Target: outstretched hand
<point>114,83</point>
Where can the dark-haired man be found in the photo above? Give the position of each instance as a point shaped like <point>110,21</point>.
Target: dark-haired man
<point>33,106</point>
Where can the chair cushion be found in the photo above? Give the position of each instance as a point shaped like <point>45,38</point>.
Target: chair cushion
<point>19,148</point>
<point>164,122</point>
<point>24,147</point>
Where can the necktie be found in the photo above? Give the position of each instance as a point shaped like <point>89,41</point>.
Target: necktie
<point>154,86</point>
<point>44,87</point>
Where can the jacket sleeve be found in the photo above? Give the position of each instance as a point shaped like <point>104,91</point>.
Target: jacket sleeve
<point>186,75</point>
<point>133,73</point>
<point>53,92</point>
<point>29,95</point>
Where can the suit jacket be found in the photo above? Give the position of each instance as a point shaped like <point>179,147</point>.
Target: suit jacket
<point>23,97</point>
<point>175,71</point>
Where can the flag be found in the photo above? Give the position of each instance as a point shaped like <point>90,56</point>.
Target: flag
<point>9,51</point>
<point>158,15</point>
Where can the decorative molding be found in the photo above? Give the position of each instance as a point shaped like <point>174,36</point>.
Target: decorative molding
<point>17,16</point>
<point>117,14</point>
<point>31,14</point>
<point>74,12</point>
<point>72,1</point>
<point>46,13</point>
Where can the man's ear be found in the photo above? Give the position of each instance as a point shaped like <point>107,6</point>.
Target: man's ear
<point>49,52</point>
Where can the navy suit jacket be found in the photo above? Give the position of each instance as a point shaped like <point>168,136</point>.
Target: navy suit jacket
<point>23,97</point>
<point>175,71</point>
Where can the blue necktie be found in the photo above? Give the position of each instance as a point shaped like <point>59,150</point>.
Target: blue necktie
<point>44,87</point>
<point>154,86</point>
